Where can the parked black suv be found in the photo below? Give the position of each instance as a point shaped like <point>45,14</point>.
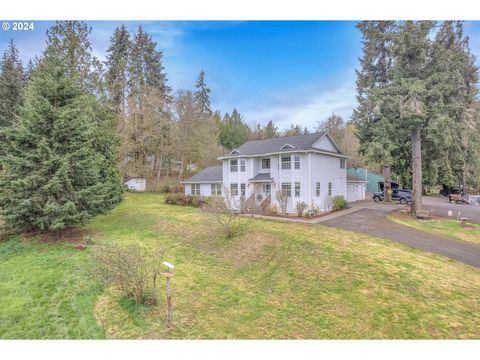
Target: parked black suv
<point>404,196</point>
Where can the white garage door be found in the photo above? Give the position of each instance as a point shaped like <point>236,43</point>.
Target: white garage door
<point>355,192</point>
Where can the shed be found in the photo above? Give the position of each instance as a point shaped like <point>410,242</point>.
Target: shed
<point>356,188</point>
<point>136,184</point>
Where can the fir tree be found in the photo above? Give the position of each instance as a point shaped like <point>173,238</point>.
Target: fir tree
<point>55,175</point>
<point>12,83</point>
<point>202,97</point>
<point>373,121</point>
<point>233,131</point>
<point>117,67</point>
<point>146,68</point>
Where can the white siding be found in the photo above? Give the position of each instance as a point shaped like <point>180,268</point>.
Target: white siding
<point>327,169</point>
<point>136,184</point>
<point>325,144</point>
<point>313,168</point>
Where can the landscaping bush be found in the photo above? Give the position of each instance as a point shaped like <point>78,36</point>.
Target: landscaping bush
<point>185,200</point>
<point>128,270</point>
<point>226,214</point>
<point>339,203</point>
<point>300,207</point>
<point>273,209</point>
<point>282,199</point>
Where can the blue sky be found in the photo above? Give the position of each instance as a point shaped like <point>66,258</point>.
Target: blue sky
<point>290,72</point>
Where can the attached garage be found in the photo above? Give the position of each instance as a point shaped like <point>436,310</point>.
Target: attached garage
<point>356,188</point>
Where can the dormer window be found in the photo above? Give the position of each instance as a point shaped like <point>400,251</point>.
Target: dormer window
<point>287,146</point>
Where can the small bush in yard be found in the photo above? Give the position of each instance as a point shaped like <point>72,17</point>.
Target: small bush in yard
<point>127,269</point>
<point>226,214</point>
<point>339,203</point>
<point>186,200</point>
<point>300,207</point>
<point>273,209</point>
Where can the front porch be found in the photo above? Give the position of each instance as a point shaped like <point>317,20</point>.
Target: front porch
<point>260,189</point>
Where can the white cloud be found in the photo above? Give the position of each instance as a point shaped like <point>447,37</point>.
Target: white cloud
<point>306,111</point>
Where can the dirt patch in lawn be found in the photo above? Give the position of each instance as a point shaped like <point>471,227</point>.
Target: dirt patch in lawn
<point>66,236</point>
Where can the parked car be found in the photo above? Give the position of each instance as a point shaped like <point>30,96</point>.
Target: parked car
<point>403,196</point>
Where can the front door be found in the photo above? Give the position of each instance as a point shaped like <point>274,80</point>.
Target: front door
<point>266,189</point>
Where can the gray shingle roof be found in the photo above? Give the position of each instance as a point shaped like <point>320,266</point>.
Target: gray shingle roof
<point>209,174</point>
<point>299,142</point>
<point>261,177</point>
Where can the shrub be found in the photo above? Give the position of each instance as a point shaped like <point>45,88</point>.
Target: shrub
<point>226,214</point>
<point>128,270</point>
<point>273,209</point>
<point>282,199</point>
<point>300,207</point>
<point>88,240</point>
<point>186,200</point>
<point>339,203</point>
<point>172,186</point>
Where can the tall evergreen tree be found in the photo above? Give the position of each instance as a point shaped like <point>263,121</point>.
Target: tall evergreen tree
<point>55,176</point>
<point>411,90</point>
<point>117,68</point>
<point>70,40</point>
<point>202,94</point>
<point>12,83</point>
<point>146,68</point>
<point>233,131</point>
<point>375,73</point>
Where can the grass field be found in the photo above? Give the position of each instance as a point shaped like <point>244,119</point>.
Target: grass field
<point>443,227</point>
<point>277,280</point>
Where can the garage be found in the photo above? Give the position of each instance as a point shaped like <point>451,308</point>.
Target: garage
<point>356,188</point>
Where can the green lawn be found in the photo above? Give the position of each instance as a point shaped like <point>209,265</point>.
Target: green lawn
<point>277,280</point>
<point>443,227</point>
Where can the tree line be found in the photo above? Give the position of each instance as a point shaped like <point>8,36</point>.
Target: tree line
<point>418,104</point>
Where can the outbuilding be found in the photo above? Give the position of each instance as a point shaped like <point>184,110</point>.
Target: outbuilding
<point>136,184</point>
<point>356,188</point>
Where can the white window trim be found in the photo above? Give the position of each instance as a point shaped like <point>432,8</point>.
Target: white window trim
<point>299,187</point>
<point>269,162</point>
<point>243,165</point>
<point>195,189</point>
<point>317,189</point>
<point>289,162</point>
<point>233,166</point>
<point>289,190</point>
<point>243,189</point>
<point>295,162</point>
<point>234,187</point>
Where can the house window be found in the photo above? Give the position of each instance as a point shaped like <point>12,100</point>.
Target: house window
<point>297,189</point>
<point>265,163</point>
<point>342,163</point>
<point>216,189</point>
<point>286,162</point>
<point>287,189</point>
<point>317,189</point>
<point>297,161</point>
<point>242,189</point>
<point>233,165</point>
<point>195,190</point>
<point>242,165</point>
<point>234,189</point>
<point>329,188</point>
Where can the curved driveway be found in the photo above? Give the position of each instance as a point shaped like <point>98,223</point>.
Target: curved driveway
<point>373,220</point>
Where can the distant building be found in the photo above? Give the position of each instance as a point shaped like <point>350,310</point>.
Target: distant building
<point>136,184</point>
<point>372,178</point>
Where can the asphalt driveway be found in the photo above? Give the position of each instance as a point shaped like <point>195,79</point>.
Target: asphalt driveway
<point>440,206</point>
<point>372,221</point>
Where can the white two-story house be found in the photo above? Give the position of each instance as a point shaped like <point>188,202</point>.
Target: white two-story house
<point>307,168</point>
